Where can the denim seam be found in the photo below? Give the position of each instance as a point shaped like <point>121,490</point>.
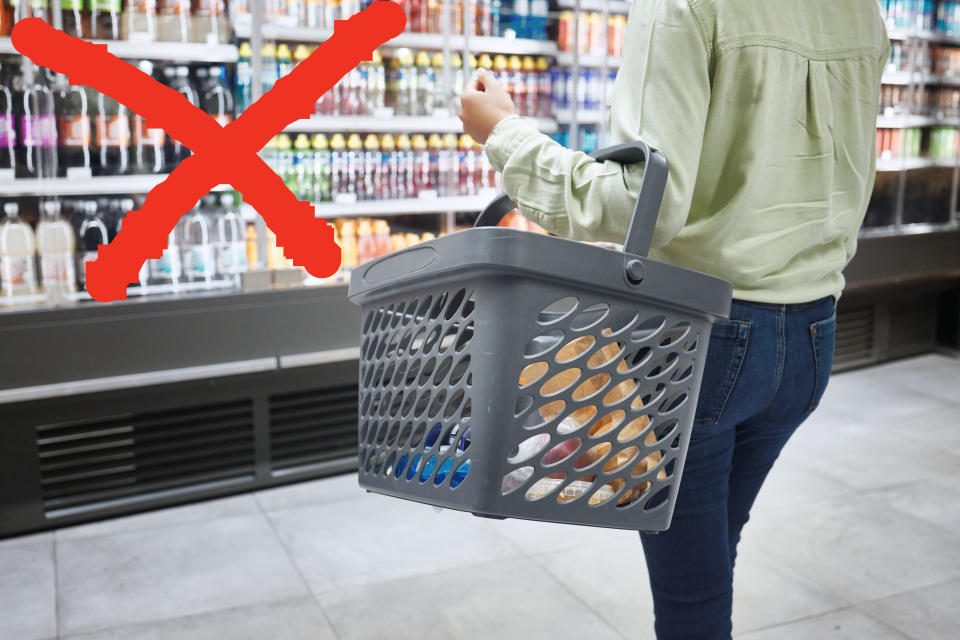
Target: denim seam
<point>742,344</point>
<point>781,349</point>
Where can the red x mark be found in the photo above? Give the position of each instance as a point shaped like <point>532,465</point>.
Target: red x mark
<point>222,155</point>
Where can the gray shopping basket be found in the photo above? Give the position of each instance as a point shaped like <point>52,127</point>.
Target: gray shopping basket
<point>515,374</point>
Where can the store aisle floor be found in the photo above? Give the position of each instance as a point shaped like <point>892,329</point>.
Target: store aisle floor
<point>855,536</point>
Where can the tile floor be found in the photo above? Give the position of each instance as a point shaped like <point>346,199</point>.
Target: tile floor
<point>856,536</point>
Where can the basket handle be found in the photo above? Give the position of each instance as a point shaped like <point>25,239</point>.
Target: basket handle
<point>640,232</point>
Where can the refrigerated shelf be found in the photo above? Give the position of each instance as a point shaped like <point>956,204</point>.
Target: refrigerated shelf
<point>621,7</point>
<point>330,210</point>
<point>395,124</point>
<point>86,186</point>
<point>565,59</point>
<point>901,164</point>
<point>169,51</point>
<point>584,116</point>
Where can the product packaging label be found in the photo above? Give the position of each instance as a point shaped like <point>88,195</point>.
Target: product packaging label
<point>39,131</point>
<point>173,6</point>
<point>232,258</point>
<point>143,6</point>
<point>144,137</point>
<point>113,131</point>
<point>56,269</point>
<point>71,5</point>
<point>166,266</point>
<point>107,6</point>
<point>13,272</point>
<point>208,8</point>
<point>200,261</point>
<point>8,133</point>
<point>75,131</point>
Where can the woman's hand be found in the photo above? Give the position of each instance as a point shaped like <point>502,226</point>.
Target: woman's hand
<point>483,105</point>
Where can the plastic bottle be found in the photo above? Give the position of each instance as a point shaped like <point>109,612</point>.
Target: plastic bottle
<point>536,27</point>
<point>435,147</point>
<point>140,19</point>
<point>315,17</point>
<point>349,256</point>
<point>253,258</point>
<point>215,96</point>
<point>284,60</point>
<point>518,83</point>
<point>148,144</point>
<point>449,166</point>
<point>303,166</point>
<point>113,136</point>
<point>366,242</point>
<point>230,240</point>
<point>268,68</point>
<point>465,183</point>
<point>92,233</point>
<point>354,181</point>
<point>371,174</point>
<point>33,103</point>
<point>406,84</point>
<point>376,86</point>
<point>73,18</point>
<point>199,262</point>
<point>56,244</point>
<point>418,16</point>
<point>105,19</point>
<point>426,85</point>
<point>179,79</point>
<point>338,166</point>
<point>244,78</point>
<point>388,166</point>
<point>349,8</point>
<point>421,167</point>
<point>321,167</point>
<point>485,173</point>
<point>285,160</point>
<point>483,62</point>
<point>173,20</point>
<point>500,71</point>
<point>300,53</point>
<point>545,88</point>
<point>17,253</point>
<point>531,84</point>
<point>331,12</point>
<point>381,234</point>
<point>295,12</point>
<point>406,186</point>
<point>8,131</point>
<point>520,17</point>
<point>73,106</point>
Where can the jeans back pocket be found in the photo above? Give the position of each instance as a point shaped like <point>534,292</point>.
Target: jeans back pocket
<point>823,337</point>
<point>725,354</point>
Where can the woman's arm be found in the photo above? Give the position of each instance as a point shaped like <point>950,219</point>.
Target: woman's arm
<point>661,96</point>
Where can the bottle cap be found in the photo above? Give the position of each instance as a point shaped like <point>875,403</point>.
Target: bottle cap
<point>302,142</point>
<point>423,59</point>
<point>466,141</point>
<point>354,143</point>
<point>499,62</point>
<point>347,228</point>
<point>364,228</point>
<point>403,142</point>
<point>486,62</point>
<point>376,58</point>
<point>169,72</point>
<point>283,142</point>
<point>319,142</point>
<point>301,53</point>
<point>245,50</point>
<point>283,51</point>
<point>146,66</point>
<point>456,61</point>
<point>472,61</point>
<point>437,60</point>
<point>11,208</point>
<point>419,142</point>
<point>201,72</point>
<point>450,140</point>
<point>434,141</point>
<point>427,236</point>
<point>381,226</point>
<point>528,63</point>
<point>371,143</point>
<point>542,64</point>
<point>271,143</point>
<point>216,71</point>
<point>386,142</point>
<point>515,64</point>
<point>411,239</point>
<point>183,72</point>
<point>227,201</point>
<point>126,204</point>
<point>337,142</point>
<point>269,50</point>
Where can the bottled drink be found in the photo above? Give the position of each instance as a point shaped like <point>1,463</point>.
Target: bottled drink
<point>425,86</point>
<point>244,78</point>
<point>447,166</point>
<point>173,20</point>
<point>466,161</point>
<point>199,264</point>
<point>376,84</point>
<point>209,22</point>
<point>284,60</point>
<point>366,242</point>
<point>285,158</point>
<point>215,97</point>
<point>73,17</point>
<point>501,73</point>
<point>349,8</point>
<point>434,149</point>
<point>73,106</point>
<point>381,235</point>
<point>8,130</point>
<point>17,250</point>
<point>483,18</point>
<point>253,257</point>
<point>372,181</point>
<point>434,16</point>
<point>518,83</point>
<point>113,136</point>
<point>531,87</point>
<point>338,166</point>
<point>105,19</point>
<point>294,12</point>
<point>37,156</point>
<point>406,188</point>
<point>126,207</point>
<point>354,184</point>
<point>179,79</point>
<point>230,240</point>
<point>483,62</point>
<point>141,19</point>
<point>388,165</point>
<point>421,166</point>
<point>303,166</point>
<point>331,12</point>
<point>321,167</point>
<point>268,69</point>
<point>31,9</point>
<point>519,18</point>
<point>315,14</point>
<point>348,247</point>
<point>300,53</point>
<point>545,89</point>
<point>148,144</point>
<point>92,233</point>
<point>56,244</point>
<point>536,27</point>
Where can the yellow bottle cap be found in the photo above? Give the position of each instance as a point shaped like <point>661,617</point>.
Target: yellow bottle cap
<point>364,228</point>
<point>456,61</point>
<point>419,142</point>
<point>394,63</point>
<point>466,141</point>
<point>450,140</point>
<point>245,50</point>
<point>269,50</point>
<point>371,143</point>
<point>437,60</point>
<point>405,56</point>
<point>485,61</point>
<point>319,142</point>
<point>403,142</point>
<point>376,58</point>
<point>386,142</point>
<point>528,63</point>
<point>423,59</point>
<point>499,62</point>
<point>283,142</point>
<point>435,141</point>
<point>427,236</point>
<point>354,143</point>
<point>337,142</point>
<point>515,64</point>
<point>542,64</point>
<point>381,226</point>
<point>271,143</point>
<point>302,142</point>
<point>347,228</point>
<point>301,52</point>
<point>283,51</point>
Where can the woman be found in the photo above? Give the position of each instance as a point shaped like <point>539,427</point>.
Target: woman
<point>766,111</point>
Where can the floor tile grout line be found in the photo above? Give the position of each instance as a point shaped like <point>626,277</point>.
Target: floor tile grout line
<point>296,568</point>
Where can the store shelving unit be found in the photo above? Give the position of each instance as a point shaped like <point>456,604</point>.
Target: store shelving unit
<point>621,7</point>
<point>566,59</point>
<point>85,186</point>
<point>456,204</point>
<point>395,124</point>
<point>169,51</point>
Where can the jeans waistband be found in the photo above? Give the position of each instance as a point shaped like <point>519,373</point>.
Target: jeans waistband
<point>789,307</point>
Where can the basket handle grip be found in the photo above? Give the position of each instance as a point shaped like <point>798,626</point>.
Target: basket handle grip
<point>647,209</point>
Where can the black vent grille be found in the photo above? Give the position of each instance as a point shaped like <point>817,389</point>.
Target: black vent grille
<point>85,464</point>
<point>856,338</point>
<point>312,427</point>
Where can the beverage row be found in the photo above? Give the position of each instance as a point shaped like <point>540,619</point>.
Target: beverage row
<point>207,245</point>
<point>362,240</point>
<point>509,18</point>
<point>354,167</point>
<point>911,14</point>
<point>588,36</point>
<point>589,92</point>
<point>410,83</point>
<point>942,102</point>
<point>588,138</point>
<point>904,56</point>
<point>49,127</point>
<point>898,143</point>
<point>167,20</point>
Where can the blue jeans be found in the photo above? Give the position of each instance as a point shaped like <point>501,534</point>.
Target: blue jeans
<point>766,370</point>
